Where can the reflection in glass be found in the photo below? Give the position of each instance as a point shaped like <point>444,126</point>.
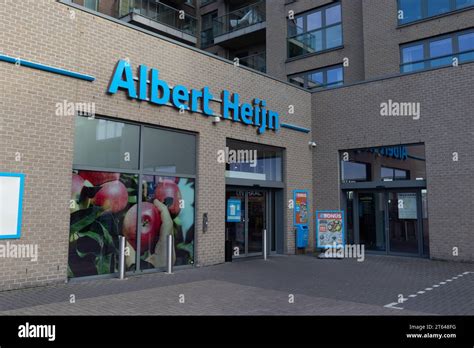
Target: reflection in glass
<point>256,221</point>
<point>168,151</point>
<point>235,231</point>
<point>400,162</point>
<point>105,144</point>
<point>411,10</point>
<point>437,7</point>
<point>403,222</point>
<point>372,221</point>
<point>441,48</point>
<point>466,43</point>
<point>268,164</point>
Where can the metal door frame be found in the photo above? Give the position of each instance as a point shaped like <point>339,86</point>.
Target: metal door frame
<point>385,195</point>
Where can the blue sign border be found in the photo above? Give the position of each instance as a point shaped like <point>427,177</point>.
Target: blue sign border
<point>294,206</point>
<point>20,204</point>
<point>317,228</point>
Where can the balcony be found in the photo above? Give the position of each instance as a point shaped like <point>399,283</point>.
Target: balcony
<point>239,24</point>
<point>158,17</point>
<point>255,61</point>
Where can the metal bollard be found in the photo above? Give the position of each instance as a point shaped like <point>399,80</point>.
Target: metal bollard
<point>265,244</point>
<point>121,257</point>
<point>169,255</point>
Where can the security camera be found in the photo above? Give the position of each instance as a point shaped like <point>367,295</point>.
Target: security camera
<point>216,119</point>
<point>312,144</point>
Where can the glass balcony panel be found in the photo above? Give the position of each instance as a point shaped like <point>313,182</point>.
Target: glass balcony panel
<point>240,19</point>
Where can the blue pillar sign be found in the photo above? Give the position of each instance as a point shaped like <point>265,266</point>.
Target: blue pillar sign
<point>234,210</point>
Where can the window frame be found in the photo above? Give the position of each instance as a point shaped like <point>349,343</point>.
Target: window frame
<point>140,170</point>
<point>323,29</point>
<point>394,177</point>
<point>324,70</point>
<point>427,61</point>
<point>453,8</point>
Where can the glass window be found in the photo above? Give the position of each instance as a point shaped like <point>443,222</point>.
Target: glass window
<point>438,52</point>
<point>99,215</point>
<point>466,44</point>
<point>314,21</point>
<point>411,11</point>
<point>333,15</point>
<point>352,171</point>
<point>316,80</point>
<point>441,48</point>
<point>315,31</point>
<point>334,36</point>
<point>106,144</point>
<point>437,7</point>
<point>297,80</point>
<point>177,195</point>
<point>169,152</point>
<point>335,77</point>
<point>394,174</point>
<point>321,78</point>
<point>91,4</point>
<point>414,10</point>
<point>252,161</point>
<point>398,162</point>
<point>464,3</point>
<point>412,54</point>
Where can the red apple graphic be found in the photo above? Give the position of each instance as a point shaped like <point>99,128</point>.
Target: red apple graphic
<point>112,197</point>
<point>151,224</point>
<point>98,178</point>
<point>169,179</point>
<point>76,187</point>
<point>167,192</point>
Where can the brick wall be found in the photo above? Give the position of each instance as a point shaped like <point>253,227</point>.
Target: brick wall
<point>349,117</point>
<point>55,34</point>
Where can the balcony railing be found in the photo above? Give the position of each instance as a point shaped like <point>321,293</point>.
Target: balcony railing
<point>160,13</point>
<point>255,61</point>
<point>239,19</point>
<point>315,41</point>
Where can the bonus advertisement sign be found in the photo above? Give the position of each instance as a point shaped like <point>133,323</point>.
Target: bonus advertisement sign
<point>329,229</point>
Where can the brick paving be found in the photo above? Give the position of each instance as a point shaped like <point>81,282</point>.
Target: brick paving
<point>258,287</point>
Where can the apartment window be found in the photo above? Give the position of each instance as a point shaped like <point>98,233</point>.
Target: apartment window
<point>315,31</point>
<point>92,4</point>
<point>438,52</point>
<point>321,78</point>
<point>415,10</point>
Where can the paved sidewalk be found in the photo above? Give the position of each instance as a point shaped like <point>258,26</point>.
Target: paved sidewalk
<point>257,287</point>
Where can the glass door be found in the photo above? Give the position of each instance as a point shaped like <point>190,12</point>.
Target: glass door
<point>371,220</point>
<point>256,204</point>
<point>404,222</point>
<point>244,230</point>
<point>236,228</point>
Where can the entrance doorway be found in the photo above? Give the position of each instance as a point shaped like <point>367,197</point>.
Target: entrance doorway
<point>254,214</point>
<point>388,221</point>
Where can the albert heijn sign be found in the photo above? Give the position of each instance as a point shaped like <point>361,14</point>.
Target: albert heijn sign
<point>147,86</point>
